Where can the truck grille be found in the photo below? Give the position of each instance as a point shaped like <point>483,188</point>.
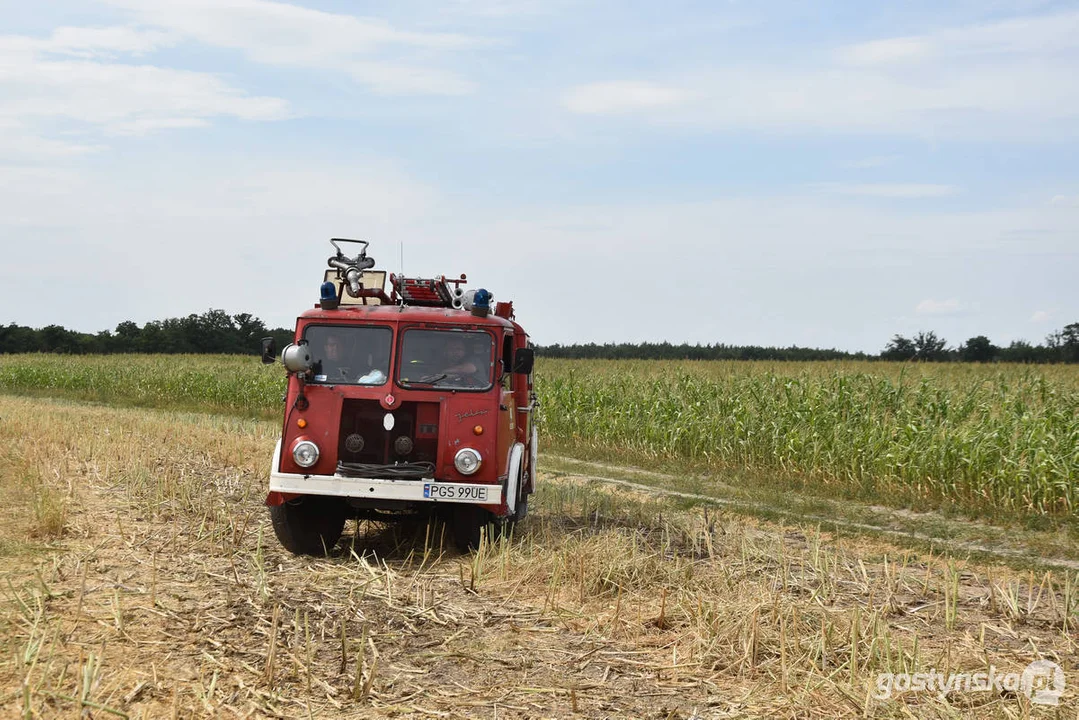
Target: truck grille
<point>365,441</point>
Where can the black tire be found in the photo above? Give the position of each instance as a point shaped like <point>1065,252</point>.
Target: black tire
<point>502,527</point>
<point>467,523</point>
<point>522,509</point>
<point>310,525</point>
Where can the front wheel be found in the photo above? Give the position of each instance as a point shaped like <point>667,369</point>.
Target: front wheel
<point>468,523</point>
<point>521,512</point>
<point>310,525</point>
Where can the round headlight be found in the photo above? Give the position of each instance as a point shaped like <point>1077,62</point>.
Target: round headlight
<point>305,453</point>
<point>467,461</point>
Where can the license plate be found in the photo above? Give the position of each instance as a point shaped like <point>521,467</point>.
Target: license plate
<point>459,493</point>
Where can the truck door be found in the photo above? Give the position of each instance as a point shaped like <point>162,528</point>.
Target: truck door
<point>507,409</point>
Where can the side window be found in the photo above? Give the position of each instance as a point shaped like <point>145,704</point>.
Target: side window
<point>507,359</point>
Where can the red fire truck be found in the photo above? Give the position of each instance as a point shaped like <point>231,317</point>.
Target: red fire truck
<point>402,399</point>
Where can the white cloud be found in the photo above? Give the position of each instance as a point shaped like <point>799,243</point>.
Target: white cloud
<point>1012,79</point>
<point>98,41</point>
<point>1041,35</point>
<point>83,89</point>
<point>1067,201</point>
<point>125,98</point>
<point>501,8</point>
<point>387,59</point>
<point>621,97</point>
<point>882,51</point>
<point>888,190</point>
<point>1040,316</point>
<point>239,189</point>
<point>951,306</point>
<point>18,141</point>
<point>91,80</point>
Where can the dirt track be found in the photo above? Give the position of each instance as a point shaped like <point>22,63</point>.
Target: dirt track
<point>166,595</point>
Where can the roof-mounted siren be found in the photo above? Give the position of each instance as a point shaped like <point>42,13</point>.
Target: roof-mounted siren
<point>481,302</point>
<point>327,296</point>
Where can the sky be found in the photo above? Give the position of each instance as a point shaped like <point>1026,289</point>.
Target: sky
<point>774,172</point>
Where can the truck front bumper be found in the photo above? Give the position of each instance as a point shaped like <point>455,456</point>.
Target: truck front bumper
<point>421,490</point>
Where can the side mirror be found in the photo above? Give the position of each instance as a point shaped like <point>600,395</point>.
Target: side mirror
<point>523,360</point>
<point>269,350</point>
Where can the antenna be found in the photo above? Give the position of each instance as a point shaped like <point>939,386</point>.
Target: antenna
<point>401,267</point>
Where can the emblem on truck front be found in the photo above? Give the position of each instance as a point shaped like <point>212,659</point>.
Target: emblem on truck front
<point>462,416</point>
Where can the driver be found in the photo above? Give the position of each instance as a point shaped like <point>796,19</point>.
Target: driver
<point>332,357</point>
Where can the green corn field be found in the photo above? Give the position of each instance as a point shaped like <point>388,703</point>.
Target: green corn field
<point>988,439</point>
<point>232,384</point>
<point>1000,438</point>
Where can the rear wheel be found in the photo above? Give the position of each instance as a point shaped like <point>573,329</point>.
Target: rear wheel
<point>310,525</point>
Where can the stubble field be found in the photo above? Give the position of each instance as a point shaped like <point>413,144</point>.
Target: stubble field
<point>141,577</point>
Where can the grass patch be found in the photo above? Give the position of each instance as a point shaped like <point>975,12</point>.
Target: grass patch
<point>36,497</point>
<point>749,496</point>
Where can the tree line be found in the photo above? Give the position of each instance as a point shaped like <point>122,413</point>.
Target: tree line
<point>685,351</point>
<point>1060,346</point>
<point>216,331</point>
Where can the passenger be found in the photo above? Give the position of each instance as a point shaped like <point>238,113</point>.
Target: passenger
<point>455,358</point>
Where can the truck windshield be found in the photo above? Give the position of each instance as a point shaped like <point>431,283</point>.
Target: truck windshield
<point>453,359</point>
<point>349,355</point>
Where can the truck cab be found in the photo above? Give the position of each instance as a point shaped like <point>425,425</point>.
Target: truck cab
<point>402,401</point>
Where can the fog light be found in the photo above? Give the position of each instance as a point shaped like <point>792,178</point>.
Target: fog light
<point>467,461</point>
<point>305,453</point>
<point>403,445</point>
